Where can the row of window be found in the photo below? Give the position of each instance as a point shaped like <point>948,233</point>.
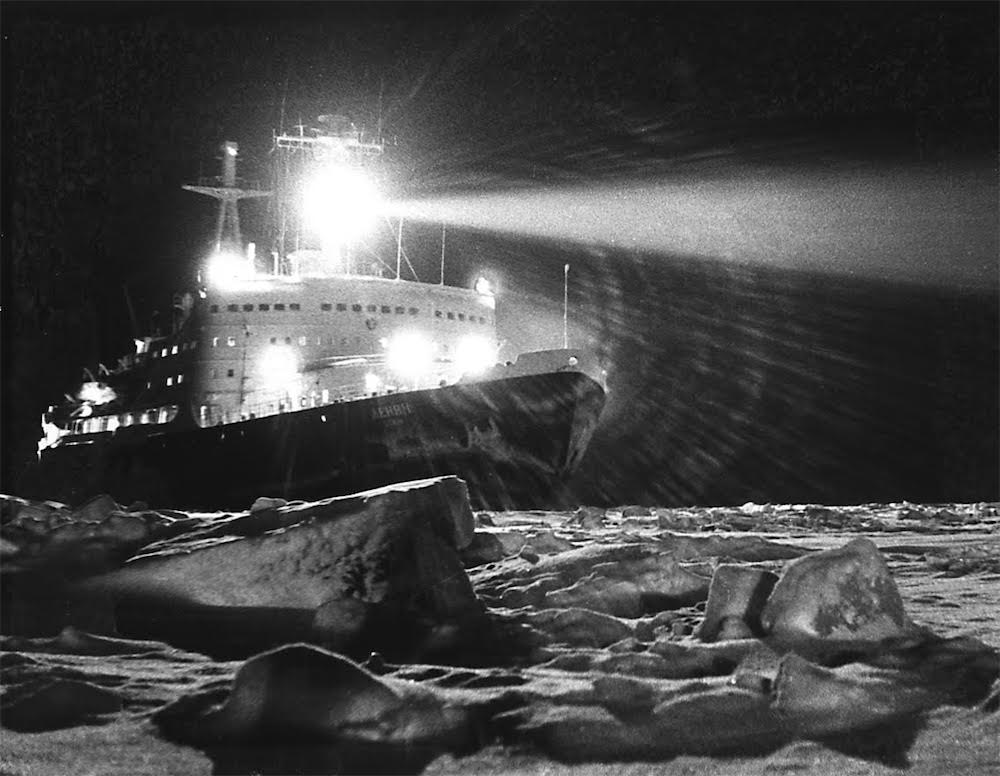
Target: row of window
<point>342,307</point>
<point>98,423</point>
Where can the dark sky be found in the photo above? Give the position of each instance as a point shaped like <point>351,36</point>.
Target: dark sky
<point>782,218</point>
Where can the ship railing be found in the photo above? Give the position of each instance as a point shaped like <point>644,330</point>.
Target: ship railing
<point>218,182</point>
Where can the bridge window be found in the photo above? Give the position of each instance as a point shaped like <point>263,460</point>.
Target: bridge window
<point>326,307</point>
<point>400,311</point>
<point>288,340</point>
<point>373,308</point>
<point>170,381</point>
<point>173,350</point>
<point>214,308</point>
<point>356,308</point>
<point>279,306</point>
<point>386,308</point>
<point>302,341</point>
<point>163,353</point>
<point>263,307</point>
<point>248,308</point>
<point>231,341</point>
<point>274,340</point>
<point>461,316</point>
<point>438,313</point>
<point>414,311</point>
<point>451,316</point>
<point>233,308</point>
<point>294,306</point>
<point>215,342</point>
<point>230,373</point>
<point>341,307</point>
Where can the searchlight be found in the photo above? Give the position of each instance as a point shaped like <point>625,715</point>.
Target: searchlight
<point>340,204</point>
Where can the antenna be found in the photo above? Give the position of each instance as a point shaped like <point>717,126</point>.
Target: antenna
<point>399,246</point>
<point>381,89</point>
<point>443,226</point>
<point>566,307</point>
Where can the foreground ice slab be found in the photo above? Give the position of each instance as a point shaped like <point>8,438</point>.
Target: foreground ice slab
<point>376,570</point>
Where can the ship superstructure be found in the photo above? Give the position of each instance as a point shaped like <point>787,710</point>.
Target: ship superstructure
<point>315,368</point>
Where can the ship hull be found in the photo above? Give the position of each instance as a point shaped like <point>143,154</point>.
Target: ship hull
<point>513,440</point>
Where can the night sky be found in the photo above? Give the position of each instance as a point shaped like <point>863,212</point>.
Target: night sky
<point>781,219</point>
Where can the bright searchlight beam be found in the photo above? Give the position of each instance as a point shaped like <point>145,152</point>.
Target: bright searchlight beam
<point>340,204</point>
<point>924,223</point>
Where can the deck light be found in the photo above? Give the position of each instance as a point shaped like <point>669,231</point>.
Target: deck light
<point>410,354</point>
<point>474,355</point>
<point>227,268</point>
<point>279,368</point>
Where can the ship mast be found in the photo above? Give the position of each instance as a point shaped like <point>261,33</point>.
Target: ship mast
<point>229,193</point>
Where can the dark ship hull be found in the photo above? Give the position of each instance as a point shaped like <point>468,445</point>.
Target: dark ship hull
<point>513,440</point>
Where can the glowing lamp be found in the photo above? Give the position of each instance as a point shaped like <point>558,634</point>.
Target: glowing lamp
<point>340,204</point>
<point>410,354</point>
<point>483,286</point>
<point>474,355</point>
<point>373,383</point>
<point>226,269</point>
<point>279,368</point>
<point>96,393</point>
